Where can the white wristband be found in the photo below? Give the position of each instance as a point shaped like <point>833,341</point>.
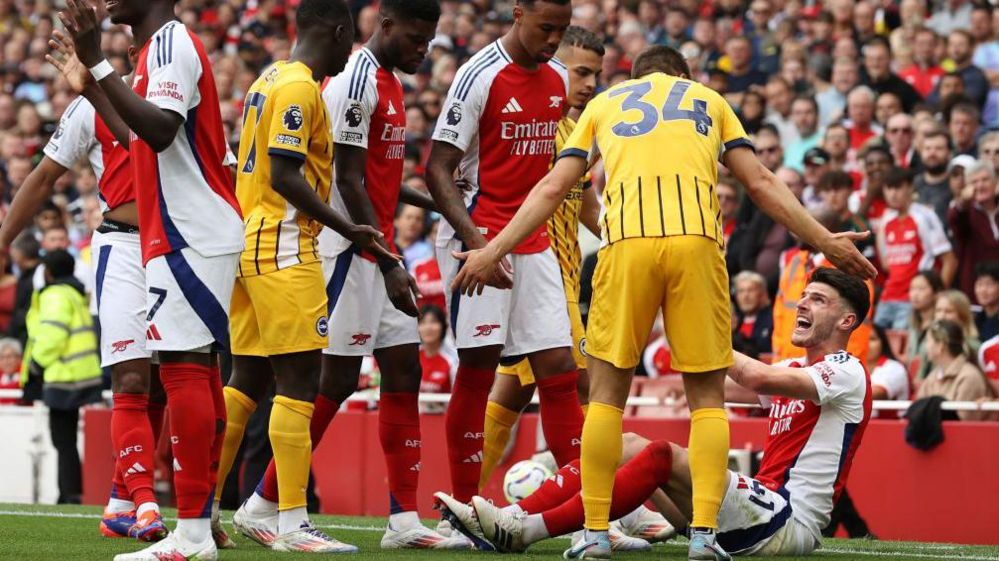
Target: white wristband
<point>101,70</point>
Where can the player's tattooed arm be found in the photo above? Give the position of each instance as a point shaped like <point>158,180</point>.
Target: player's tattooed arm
<point>350,162</point>
<point>288,181</point>
<point>444,160</point>
<point>157,127</point>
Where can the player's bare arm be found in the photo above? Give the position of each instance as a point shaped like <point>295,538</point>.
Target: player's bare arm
<point>350,162</point>
<point>157,127</point>
<point>776,199</point>
<point>589,216</point>
<point>36,189</point>
<point>65,60</point>
<point>481,266</point>
<point>444,160</point>
<point>948,268</point>
<point>765,379</point>
<point>415,197</point>
<point>288,181</point>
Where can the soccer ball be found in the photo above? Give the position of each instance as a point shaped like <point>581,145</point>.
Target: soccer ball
<point>524,478</point>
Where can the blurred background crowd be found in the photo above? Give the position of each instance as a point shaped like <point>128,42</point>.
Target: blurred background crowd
<point>878,114</point>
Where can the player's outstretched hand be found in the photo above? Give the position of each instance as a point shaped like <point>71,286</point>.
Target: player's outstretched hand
<point>479,271</point>
<point>64,58</point>
<point>370,239</point>
<point>402,291</point>
<point>841,250</point>
<point>83,25</point>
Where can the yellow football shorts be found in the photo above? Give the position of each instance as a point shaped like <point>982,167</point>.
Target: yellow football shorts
<point>523,370</point>
<point>279,313</point>
<point>686,278</point>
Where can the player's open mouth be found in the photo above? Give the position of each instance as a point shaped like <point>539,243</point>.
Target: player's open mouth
<point>802,323</point>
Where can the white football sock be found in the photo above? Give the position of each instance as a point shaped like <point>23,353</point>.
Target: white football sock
<point>403,520</point>
<point>146,507</point>
<point>119,505</point>
<point>534,529</point>
<point>292,519</point>
<point>194,530</point>
<point>259,505</point>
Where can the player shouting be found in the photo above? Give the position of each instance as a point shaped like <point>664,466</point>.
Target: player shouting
<point>819,405</point>
<point>365,103</point>
<point>498,125</point>
<point>662,249</point>
<point>190,232</point>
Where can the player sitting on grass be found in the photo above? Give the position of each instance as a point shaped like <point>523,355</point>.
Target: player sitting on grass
<point>818,413</point>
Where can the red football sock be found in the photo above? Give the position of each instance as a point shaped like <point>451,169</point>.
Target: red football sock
<point>218,401</point>
<point>132,437</point>
<point>156,413</point>
<point>192,424</point>
<point>399,432</point>
<point>561,416</point>
<point>633,484</point>
<point>464,425</point>
<point>555,490</point>
<point>322,416</point>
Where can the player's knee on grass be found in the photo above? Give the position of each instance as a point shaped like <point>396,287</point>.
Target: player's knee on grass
<point>130,377</point>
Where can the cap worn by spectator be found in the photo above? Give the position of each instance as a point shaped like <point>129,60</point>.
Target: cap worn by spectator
<point>816,157</point>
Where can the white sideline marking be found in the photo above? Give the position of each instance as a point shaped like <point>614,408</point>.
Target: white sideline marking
<point>818,553</point>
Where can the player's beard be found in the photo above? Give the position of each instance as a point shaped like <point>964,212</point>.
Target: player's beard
<point>816,335</point>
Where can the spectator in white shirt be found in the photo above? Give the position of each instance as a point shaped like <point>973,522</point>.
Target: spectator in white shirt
<point>889,379</point>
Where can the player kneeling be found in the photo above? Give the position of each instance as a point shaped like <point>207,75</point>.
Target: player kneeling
<point>818,414</point>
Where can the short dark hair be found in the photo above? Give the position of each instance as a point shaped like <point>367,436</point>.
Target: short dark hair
<point>576,36</point>
<point>932,278</point>
<point>531,3</point>
<point>850,288</point>
<point>835,179</point>
<point>896,177</point>
<point>59,263</point>
<point>879,148</point>
<point>660,58</point>
<point>431,310</point>
<point>424,10</point>
<point>966,107</point>
<point>877,41</point>
<point>312,12</point>
<point>808,99</point>
<point>987,269</point>
<point>27,244</point>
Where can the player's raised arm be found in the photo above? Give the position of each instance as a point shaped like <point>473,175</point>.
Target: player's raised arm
<point>155,125</point>
<point>776,199</point>
<point>765,379</point>
<point>65,60</point>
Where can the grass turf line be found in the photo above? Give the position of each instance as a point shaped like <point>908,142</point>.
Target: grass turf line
<point>45,533</point>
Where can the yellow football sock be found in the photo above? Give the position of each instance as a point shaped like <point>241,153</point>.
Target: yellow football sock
<point>499,421</point>
<point>708,457</point>
<point>292,444</point>
<point>238,408</point>
<point>600,454</point>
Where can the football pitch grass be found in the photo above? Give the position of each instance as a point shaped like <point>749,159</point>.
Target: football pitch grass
<point>69,533</point>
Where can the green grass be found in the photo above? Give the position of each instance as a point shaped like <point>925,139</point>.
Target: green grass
<point>63,533</point>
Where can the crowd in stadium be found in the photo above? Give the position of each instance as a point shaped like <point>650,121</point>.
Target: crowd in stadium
<point>834,95</point>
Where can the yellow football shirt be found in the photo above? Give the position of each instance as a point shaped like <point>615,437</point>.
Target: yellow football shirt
<point>563,226</point>
<point>660,138</point>
<point>283,115</point>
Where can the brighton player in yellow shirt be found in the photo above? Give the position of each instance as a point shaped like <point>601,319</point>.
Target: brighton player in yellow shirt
<point>278,319</point>
<point>660,136</point>
<point>582,53</point>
